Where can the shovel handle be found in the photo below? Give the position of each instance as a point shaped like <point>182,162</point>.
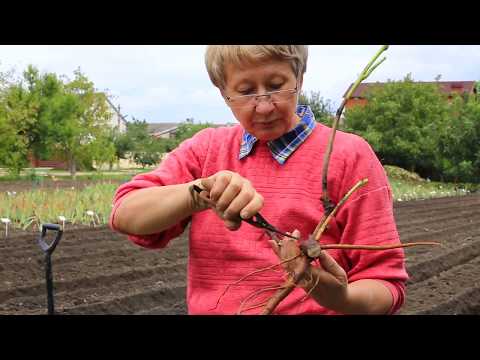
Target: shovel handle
<point>50,248</point>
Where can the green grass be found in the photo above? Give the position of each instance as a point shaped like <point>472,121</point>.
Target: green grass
<point>409,186</point>
<point>41,175</point>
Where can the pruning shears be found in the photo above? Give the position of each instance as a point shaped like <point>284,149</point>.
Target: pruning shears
<point>256,220</point>
<point>48,249</point>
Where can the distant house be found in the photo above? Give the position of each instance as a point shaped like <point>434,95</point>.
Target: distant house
<point>163,130</point>
<point>168,130</point>
<point>448,87</point>
<point>117,120</point>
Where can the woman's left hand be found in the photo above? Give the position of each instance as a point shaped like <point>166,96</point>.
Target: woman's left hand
<point>328,283</point>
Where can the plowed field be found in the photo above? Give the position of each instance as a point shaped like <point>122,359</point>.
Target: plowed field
<point>96,271</point>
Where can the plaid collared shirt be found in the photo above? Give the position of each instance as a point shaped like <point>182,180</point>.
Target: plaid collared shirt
<point>286,144</point>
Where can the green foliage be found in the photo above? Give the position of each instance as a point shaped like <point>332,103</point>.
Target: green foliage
<point>459,142</point>
<point>15,118</point>
<point>49,116</point>
<point>30,208</point>
<point>407,185</point>
<point>321,108</point>
<point>149,153</point>
<point>401,121</point>
<point>144,149</point>
<point>414,126</point>
<point>395,172</point>
<point>186,130</point>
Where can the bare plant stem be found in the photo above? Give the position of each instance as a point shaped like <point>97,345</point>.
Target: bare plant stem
<point>289,285</point>
<point>322,225</point>
<point>328,206</point>
<point>278,297</point>
<point>376,247</point>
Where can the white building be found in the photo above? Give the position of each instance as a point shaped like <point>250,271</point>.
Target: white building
<point>117,120</point>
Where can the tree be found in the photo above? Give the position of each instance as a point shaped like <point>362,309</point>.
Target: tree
<point>186,130</point>
<point>321,108</point>
<point>13,146</point>
<point>49,116</point>
<point>459,142</point>
<point>402,121</point>
<point>16,117</point>
<point>144,149</point>
<point>122,145</point>
<point>78,124</point>
<point>183,132</point>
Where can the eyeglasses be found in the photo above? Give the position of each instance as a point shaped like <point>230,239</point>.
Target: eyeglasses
<point>252,100</point>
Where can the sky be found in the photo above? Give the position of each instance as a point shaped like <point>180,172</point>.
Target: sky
<point>169,83</point>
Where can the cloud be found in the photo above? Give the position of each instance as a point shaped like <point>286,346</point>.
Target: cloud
<point>170,82</point>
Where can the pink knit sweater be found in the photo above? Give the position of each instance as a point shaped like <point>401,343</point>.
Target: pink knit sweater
<point>292,194</point>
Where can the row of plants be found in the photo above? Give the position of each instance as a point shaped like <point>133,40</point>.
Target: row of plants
<point>28,209</point>
<point>92,204</point>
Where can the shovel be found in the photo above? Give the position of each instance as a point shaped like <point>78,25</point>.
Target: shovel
<point>48,249</point>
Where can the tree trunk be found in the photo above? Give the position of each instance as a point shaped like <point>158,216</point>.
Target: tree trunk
<point>72,166</point>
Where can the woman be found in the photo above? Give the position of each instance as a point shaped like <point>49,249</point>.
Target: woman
<point>270,162</point>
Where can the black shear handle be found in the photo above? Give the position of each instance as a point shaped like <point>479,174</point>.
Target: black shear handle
<point>50,248</point>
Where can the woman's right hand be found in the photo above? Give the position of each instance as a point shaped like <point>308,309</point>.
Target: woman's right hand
<point>233,197</point>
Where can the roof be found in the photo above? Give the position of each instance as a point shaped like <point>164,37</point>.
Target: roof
<point>163,128</point>
<point>445,86</point>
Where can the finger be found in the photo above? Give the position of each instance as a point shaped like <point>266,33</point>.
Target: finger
<point>228,195</point>
<point>253,207</point>
<point>275,247</point>
<point>329,264</point>
<point>296,233</point>
<point>208,182</point>
<point>241,200</point>
<point>232,225</point>
<point>221,183</point>
<point>205,197</point>
<point>289,248</point>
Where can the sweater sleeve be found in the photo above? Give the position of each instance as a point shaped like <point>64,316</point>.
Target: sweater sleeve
<point>367,218</point>
<point>182,165</point>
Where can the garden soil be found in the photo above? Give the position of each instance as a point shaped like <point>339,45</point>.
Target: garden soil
<point>97,271</point>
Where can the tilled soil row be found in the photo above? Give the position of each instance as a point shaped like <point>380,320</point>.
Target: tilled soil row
<point>429,209</point>
<point>70,271</point>
<point>446,232</point>
<point>105,241</point>
<point>413,206</point>
<point>465,303</point>
<point>123,280</point>
<point>444,290</point>
<point>102,290</point>
<point>421,271</point>
<point>20,264</point>
<point>81,236</point>
<point>425,224</point>
<point>171,297</point>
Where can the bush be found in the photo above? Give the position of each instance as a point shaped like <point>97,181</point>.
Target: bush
<point>413,126</point>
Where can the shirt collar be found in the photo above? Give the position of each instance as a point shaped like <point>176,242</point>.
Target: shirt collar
<point>284,146</point>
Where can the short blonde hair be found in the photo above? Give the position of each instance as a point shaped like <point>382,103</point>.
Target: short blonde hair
<point>216,56</point>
